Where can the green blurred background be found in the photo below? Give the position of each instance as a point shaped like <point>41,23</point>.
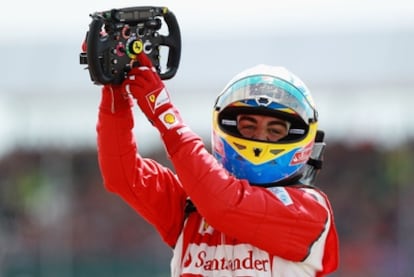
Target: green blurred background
<point>56,219</point>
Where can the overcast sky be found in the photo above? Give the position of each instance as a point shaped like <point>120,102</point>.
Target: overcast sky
<point>65,19</point>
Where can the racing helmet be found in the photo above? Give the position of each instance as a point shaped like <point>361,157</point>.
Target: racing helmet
<point>271,91</point>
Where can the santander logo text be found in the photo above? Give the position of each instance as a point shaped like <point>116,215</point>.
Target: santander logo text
<point>225,260</point>
<point>302,155</point>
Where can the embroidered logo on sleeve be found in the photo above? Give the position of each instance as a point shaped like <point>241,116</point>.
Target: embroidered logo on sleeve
<point>169,119</point>
<point>282,194</point>
<point>157,99</point>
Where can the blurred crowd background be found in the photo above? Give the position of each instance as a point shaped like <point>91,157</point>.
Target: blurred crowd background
<point>56,219</point>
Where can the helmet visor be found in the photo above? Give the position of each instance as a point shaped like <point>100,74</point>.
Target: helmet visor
<point>269,92</point>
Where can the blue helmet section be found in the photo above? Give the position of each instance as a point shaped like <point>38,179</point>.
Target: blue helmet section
<point>266,173</point>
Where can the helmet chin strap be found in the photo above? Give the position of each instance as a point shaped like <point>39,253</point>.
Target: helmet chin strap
<point>314,164</point>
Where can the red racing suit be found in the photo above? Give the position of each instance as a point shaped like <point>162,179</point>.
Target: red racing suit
<point>237,229</point>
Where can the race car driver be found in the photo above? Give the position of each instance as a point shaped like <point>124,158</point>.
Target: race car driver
<point>242,210</point>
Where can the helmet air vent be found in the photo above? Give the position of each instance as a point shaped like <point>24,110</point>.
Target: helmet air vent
<point>239,146</point>
<point>257,151</point>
